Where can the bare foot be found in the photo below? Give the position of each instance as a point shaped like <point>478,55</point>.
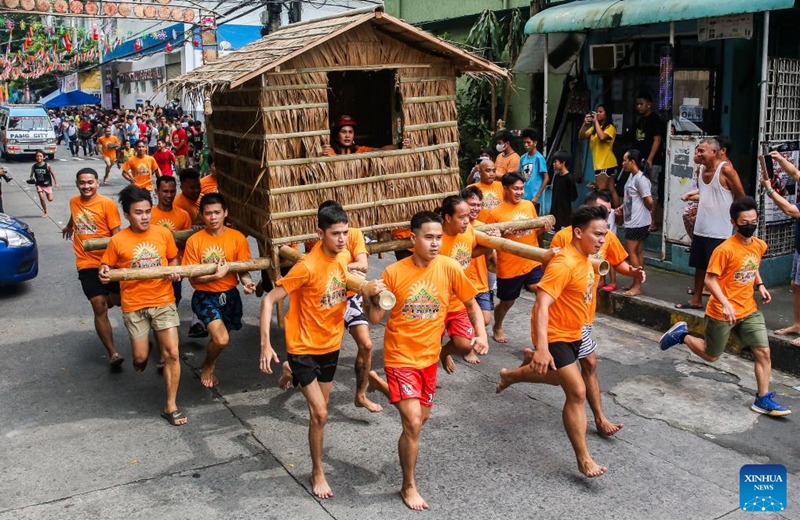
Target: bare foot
<point>499,336</point>
<point>796,342</point>
<point>448,364</point>
<point>607,428</point>
<point>628,288</point>
<point>362,401</point>
<point>632,292</point>
<point>320,487</point>
<point>44,215</point>
<point>472,358</point>
<point>377,383</point>
<point>285,380</point>
<point>504,382</point>
<point>794,329</point>
<point>591,469</point>
<point>207,377</point>
<point>527,357</point>
<point>413,499</point>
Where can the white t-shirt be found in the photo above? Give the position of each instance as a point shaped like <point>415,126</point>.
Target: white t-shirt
<point>636,189</point>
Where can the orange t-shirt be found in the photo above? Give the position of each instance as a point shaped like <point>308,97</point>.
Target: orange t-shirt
<point>110,153</point>
<point>142,170</point>
<point>736,266</point>
<point>478,272</point>
<point>93,219</point>
<point>187,205</point>
<point>413,336</point>
<point>208,184</point>
<point>569,279</point>
<point>508,265</point>
<point>505,164</point>
<point>317,301</point>
<point>153,248</point>
<point>174,220</point>
<point>203,248</point>
<point>612,251</point>
<point>359,149</point>
<point>492,197</point>
<point>459,248</point>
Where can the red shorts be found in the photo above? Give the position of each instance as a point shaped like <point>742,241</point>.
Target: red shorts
<point>412,383</point>
<point>458,324</point>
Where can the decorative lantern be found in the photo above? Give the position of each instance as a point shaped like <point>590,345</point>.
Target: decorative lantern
<point>28,41</point>
<point>137,46</point>
<point>94,35</point>
<point>196,43</point>
<point>169,47</point>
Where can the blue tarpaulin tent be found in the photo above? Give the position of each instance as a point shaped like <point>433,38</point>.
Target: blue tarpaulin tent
<point>72,99</point>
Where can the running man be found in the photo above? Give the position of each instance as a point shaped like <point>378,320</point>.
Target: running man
<point>478,271</point>
<point>425,285</point>
<point>732,277</point>
<point>94,216</point>
<point>141,168</point>
<point>108,144</point>
<point>189,197</point>
<point>612,251</point>
<point>563,298</point>
<point>316,286</point>
<point>514,272</point>
<point>148,304</point>
<point>491,188</point>
<point>216,300</point>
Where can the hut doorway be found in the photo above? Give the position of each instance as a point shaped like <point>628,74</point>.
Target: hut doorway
<point>370,98</point>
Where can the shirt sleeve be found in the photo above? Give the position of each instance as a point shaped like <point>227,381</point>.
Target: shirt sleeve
<point>541,165</point>
<point>359,245</point>
<point>110,257</point>
<point>296,278</point>
<point>462,286</point>
<point>643,186</point>
<point>615,253</point>
<point>556,277</point>
<point>559,240</point>
<point>190,253</point>
<point>242,249</point>
<point>112,215</point>
<point>719,258</point>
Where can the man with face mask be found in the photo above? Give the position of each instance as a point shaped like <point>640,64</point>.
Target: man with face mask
<point>507,159</point>
<point>732,278</point>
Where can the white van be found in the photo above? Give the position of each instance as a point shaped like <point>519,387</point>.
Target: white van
<point>24,129</point>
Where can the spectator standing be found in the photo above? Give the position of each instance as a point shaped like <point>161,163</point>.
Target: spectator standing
<point>180,145</point>
<point>533,168</point>
<point>165,159</point>
<point>636,212</point>
<point>648,140</point>
<point>564,190</point>
<point>507,158</point>
<point>601,134</point>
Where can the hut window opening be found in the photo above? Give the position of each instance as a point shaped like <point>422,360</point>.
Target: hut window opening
<point>369,98</point>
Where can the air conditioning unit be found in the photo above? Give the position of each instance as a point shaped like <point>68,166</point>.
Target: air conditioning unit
<point>609,56</point>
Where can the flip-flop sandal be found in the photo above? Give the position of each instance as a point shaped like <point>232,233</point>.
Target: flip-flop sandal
<point>688,305</point>
<point>173,417</point>
<point>160,367</point>
<point>690,292</point>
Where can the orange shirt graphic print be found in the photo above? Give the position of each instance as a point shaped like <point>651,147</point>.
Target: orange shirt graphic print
<point>84,223</point>
<point>746,274</point>
<point>461,253</point>
<point>422,302</point>
<point>335,292</point>
<point>145,255</point>
<point>212,255</point>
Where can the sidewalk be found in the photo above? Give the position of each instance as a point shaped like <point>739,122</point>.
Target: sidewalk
<point>663,289</point>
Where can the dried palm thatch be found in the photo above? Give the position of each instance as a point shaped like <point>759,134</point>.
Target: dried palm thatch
<point>271,119</point>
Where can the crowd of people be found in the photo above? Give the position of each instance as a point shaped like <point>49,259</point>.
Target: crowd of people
<point>444,285</point>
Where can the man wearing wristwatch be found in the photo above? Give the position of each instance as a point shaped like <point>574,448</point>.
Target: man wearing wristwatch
<point>732,278</point>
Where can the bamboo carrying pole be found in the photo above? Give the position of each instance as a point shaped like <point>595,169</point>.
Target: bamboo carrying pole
<point>97,244</point>
<point>149,273</point>
<point>386,300</point>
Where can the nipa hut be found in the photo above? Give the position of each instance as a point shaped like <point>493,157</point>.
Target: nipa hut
<point>271,104</point>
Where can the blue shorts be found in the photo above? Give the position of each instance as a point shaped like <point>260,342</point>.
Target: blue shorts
<point>485,301</point>
<point>509,289</point>
<point>225,306</point>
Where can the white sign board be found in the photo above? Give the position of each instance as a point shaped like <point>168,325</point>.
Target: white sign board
<point>692,113</point>
<point>69,83</point>
<point>784,184</point>
<point>680,169</point>
<point>734,26</point>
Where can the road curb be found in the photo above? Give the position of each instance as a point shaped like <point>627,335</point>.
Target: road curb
<point>660,315</point>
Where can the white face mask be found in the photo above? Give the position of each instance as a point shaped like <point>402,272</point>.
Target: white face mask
<point>500,147</point>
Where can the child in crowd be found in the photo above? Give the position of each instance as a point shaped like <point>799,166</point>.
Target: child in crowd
<point>533,168</point>
<point>43,177</point>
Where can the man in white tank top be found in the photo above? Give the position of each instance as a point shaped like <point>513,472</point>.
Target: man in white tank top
<point>719,186</point>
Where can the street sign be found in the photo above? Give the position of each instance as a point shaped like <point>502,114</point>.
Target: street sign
<point>693,113</point>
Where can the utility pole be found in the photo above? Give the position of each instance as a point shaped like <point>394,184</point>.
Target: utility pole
<point>272,20</point>
<point>295,11</point>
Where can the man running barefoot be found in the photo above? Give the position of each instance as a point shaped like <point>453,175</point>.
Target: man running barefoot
<point>514,272</point>
<point>425,285</point>
<point>478,271</point>
<point>563,298</point>
<point>732,276</point>
<point>216,300</point>
<point>94,216</point>
<point>316,286</point>
<point>615,254</point>
<point>148,304</point>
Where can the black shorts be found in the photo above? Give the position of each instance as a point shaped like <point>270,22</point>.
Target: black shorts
<point>639,234</point>
<point>701,249</point>
<point>92,286</point>
<point>509,289</point>
<point>565,353</point>
<point>225,306</point>
<point>176,290</point>
<point>308,367</point>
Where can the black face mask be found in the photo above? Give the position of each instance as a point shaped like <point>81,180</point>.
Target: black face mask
<point>747,230</point>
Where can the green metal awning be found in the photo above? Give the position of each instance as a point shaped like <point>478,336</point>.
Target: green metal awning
<point>587,15</point>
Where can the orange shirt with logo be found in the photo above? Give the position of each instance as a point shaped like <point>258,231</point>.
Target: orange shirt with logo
<point>569,279</point>
<point>736,266</point>
<point>208,184</point>
<point>413,336</point>
<point>612,250</point>
<point>110,153</point>
<point>459,248</point>
<point>187,205</point>
<point>478,272</point>
<point>505,164</point>
<point>203,248</point>
<point>492,197</point>
<point>93,219</point>
<point>508,265</point>
<point>317,288</point>
<point>153,248</point>
<point>142,169</point>
<point>174,220</point>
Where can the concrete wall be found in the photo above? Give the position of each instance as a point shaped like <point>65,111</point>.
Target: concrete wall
<point>415,11</point>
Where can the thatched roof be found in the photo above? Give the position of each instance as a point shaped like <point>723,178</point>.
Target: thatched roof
<point>290,41</point>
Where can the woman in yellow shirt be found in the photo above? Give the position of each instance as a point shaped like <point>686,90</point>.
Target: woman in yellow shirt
<point>601,134</point>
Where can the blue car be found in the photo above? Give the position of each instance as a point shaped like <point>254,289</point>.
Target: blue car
<point>19,258</point>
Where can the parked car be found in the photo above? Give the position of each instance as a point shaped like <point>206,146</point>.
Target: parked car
<point>19,257</point>
<point>24,129</point>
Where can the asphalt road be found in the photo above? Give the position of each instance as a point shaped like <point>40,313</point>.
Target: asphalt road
<point>82,442</point>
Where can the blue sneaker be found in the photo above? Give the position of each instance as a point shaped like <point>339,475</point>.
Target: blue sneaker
<point>768,406</point>
<point>674,336</point>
